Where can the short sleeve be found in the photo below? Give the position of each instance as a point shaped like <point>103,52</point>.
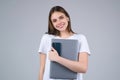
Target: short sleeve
<point>42,46</point>
<point>83,44</point>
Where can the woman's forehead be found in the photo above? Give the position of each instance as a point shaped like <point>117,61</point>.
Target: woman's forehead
<point>57,14</point>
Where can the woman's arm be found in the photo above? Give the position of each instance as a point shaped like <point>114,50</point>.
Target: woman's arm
<point>79,66</point>
<point>42,65</point>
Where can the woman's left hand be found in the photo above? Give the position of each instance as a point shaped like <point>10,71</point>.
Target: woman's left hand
<point>53,55</point>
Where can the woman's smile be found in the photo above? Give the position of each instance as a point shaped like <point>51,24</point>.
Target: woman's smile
<point>60,25</point>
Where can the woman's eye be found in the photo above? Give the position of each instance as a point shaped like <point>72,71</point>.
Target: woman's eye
<point>61,17</point>
<point>54,20</point>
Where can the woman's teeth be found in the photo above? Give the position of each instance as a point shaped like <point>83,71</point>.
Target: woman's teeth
<point>60,25</point>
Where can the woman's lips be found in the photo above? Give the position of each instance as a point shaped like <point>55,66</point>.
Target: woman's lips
<point>60,25</point>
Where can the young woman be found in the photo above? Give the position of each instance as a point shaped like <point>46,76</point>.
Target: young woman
<point>59,26</point>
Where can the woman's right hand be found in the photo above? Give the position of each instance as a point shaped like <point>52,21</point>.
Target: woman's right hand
<point>53,55</point>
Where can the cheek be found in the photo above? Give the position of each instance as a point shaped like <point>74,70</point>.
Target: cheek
<point>54,24</point>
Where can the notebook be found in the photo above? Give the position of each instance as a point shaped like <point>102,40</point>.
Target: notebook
<point>67,48</point>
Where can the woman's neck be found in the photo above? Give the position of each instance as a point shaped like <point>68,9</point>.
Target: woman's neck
<point>66,34</point>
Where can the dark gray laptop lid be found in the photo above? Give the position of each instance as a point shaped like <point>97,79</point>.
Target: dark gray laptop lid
<point>68,49</point>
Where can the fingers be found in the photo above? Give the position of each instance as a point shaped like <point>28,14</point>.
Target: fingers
<point>52,49</point>
<point>53,54</point>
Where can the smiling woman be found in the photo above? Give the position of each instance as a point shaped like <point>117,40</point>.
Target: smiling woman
<point>58,16</point>
<point>59,27</point>
<point>60,21</point>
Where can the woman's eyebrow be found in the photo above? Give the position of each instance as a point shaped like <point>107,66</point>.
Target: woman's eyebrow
<point>62,15</point>
<point>58,17</point>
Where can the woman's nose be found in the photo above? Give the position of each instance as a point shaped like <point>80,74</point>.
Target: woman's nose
<point>59,20</point>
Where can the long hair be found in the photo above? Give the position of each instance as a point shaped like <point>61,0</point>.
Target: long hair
<point>51,29</point>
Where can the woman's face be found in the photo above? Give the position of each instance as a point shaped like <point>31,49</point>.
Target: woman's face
<point>59,21</point>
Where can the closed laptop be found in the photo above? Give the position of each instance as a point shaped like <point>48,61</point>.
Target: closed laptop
<point>66,48</point>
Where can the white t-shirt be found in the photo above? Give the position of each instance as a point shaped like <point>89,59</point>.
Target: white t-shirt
<point>45,47</point>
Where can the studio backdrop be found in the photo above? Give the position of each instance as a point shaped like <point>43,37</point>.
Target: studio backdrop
<point>23,22</point>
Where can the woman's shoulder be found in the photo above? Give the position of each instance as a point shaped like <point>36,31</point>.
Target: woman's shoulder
<point>47,36</point>
<point>79,35</point>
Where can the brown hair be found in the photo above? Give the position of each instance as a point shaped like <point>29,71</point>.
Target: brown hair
<point>51,29</point>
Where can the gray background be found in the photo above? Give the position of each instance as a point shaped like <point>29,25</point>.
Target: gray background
<point>23,22</point>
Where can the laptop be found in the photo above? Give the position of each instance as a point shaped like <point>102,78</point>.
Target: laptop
<point>66,48</point>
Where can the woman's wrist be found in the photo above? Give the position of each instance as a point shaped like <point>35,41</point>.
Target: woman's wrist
<point>58,58</point>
